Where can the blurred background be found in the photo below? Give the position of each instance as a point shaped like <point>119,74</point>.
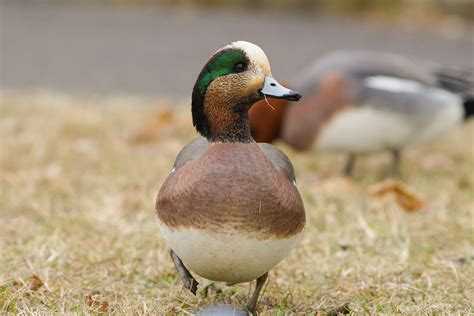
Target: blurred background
<point>157,47</point>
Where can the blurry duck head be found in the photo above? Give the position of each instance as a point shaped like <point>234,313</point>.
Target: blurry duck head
<point>234,78</point>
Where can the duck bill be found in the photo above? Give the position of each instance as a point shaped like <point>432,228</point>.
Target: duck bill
<point>272,89</point>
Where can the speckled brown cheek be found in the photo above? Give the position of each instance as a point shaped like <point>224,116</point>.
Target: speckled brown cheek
<point>220,97</point>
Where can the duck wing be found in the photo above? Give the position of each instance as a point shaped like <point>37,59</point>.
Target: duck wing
<point>356,66</point>
<point>192,151</point>
<point>416,89</point>
<point>456,80</point>
<point>279,160</point>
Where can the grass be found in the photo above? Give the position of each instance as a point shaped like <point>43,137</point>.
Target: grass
<point>79,234</point>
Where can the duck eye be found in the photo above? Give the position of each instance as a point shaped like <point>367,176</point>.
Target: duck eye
<point>239,67</point>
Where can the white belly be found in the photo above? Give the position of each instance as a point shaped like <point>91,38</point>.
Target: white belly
<point>227,257</point>
<point>368,129</point>
<point>364,129</point>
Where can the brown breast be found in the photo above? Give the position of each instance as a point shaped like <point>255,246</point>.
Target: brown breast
<point>232,186</point>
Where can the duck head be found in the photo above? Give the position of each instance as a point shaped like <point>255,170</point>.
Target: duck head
<point>234,78</point>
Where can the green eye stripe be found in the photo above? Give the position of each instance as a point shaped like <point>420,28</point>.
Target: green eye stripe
<point>222,64</point>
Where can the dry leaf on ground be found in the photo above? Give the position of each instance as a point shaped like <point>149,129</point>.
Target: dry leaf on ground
<point>409,201</point>
<point>34,282</point>
<point>95,305</point>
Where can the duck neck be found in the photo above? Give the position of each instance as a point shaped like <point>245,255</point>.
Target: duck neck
<point>231,128</point>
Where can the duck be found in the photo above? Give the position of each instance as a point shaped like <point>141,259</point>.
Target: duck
<point>230,209</point>
<point>361,102</point>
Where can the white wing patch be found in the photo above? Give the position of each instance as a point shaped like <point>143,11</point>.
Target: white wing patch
<point>392,84</point>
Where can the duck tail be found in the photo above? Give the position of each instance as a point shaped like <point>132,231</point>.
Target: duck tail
<point>459,81</point>
<point>468,106</point>
<point>456,80</point>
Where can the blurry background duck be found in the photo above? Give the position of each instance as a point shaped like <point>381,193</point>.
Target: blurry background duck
<point>365,102</point>
<point>230,209</point>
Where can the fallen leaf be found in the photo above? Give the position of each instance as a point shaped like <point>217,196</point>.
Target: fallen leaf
<point>95,305</point>
<point>406,199</point>
<point>34,282</point>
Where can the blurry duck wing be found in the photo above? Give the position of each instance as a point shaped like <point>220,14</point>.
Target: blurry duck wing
<point>358,65</point>
<point>409,87</point>
<point>408,98</point>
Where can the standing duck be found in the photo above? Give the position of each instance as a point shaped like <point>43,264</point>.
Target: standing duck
<point>361,102</point>
<point>230,210</point>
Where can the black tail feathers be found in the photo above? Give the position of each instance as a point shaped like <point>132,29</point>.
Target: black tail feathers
<point>459,81</point>
<point>468,106</point>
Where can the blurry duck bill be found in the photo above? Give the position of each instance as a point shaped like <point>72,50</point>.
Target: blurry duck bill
<point>272,89</point>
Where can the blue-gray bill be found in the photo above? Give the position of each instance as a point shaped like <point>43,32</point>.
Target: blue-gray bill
<point>273,89</point>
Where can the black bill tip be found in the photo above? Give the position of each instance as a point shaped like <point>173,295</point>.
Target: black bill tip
<point>293,96</point>
<point>290,96</point>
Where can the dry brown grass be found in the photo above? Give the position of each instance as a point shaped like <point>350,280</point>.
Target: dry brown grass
<point>78,230</point>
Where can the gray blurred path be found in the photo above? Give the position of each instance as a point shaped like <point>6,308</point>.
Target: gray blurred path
<point>160,51</point>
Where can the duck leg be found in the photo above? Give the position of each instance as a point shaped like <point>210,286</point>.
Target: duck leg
<point>349,166</point>
<point>252,304</point>
<point>188,280</point>
<point>396,162</point>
